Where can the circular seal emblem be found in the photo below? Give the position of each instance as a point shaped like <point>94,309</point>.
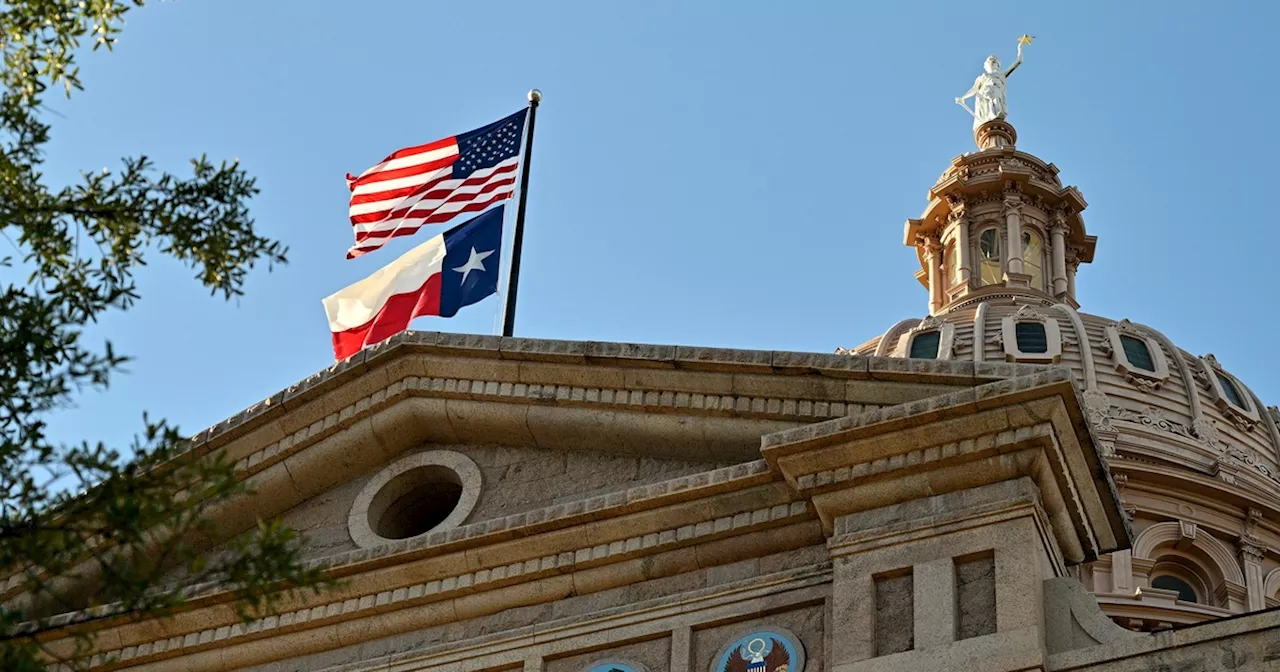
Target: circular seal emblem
<point>765,649</point>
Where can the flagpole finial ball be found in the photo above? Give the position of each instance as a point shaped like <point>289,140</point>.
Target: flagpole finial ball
<point>535,96</point>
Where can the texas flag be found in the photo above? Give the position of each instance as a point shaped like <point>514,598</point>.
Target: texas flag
<point>454,269</point>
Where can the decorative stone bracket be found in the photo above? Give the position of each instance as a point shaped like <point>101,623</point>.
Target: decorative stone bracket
<point>1026,426</point>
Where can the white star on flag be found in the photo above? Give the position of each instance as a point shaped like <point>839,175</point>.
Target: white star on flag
<point>474,263</point>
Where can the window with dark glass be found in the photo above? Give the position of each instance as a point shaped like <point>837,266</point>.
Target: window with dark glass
<point>1031,337</point>
<point>1230,390</point>
<point>1033,259</point>
<point>1185,592</point>
<point>924,345</point>
<point>989,257</point>
<point>1138,354</point>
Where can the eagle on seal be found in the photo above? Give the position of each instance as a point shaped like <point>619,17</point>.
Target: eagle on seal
<point>777,660</point>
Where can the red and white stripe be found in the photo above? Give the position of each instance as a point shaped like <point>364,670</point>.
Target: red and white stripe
<point>382,305</point>
<point>413,187</point>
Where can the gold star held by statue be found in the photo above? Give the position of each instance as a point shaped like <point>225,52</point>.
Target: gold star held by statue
<point>1025,39</point>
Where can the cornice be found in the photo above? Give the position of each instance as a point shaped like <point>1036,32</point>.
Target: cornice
<point>619,376</point>
<point>650,520</point>
<point>1248,490</point>
<point>437,590</point>
<point>386,360</point>
<point>987,505</point>
<point>791,588</point>
<point>957,441</point>
<point>1130,606</point>
<point>458,388</point>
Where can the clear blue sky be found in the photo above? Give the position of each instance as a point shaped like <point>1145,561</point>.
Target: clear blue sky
<point>714,173</point>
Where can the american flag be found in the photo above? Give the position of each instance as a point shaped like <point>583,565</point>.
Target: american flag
<point>435,182</point>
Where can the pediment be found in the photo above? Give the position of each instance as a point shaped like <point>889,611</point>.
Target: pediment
<point>435,488</point>
<point>304,450</point>
<point>625,466</point>
<point>697,406</point>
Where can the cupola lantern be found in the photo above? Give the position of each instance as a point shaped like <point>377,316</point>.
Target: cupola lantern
<point>999,221</point>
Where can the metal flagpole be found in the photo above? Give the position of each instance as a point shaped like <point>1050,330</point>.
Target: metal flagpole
<point>513,279</point>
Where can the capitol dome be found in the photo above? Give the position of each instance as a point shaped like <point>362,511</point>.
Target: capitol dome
<point>1193,450</point>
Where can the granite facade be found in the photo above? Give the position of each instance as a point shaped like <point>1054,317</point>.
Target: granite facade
<point>930,529</point>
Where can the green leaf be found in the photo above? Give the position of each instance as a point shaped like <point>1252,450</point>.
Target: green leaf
<point>68,508</point>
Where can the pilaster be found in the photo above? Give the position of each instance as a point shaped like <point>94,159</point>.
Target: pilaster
<point>933,256</point>
<point>1013,222</point>
<point>1073,264</point>
<point>1122,571</point>
<point>1253,551</point>
<point>959,219</point>
<point>682,649</point>
<point>934,582</point>
<point>1058,238</point>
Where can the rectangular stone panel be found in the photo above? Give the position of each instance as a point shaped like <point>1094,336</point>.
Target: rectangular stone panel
<point>975,595</point>
<point>895,612</point>
<point>654,654</point>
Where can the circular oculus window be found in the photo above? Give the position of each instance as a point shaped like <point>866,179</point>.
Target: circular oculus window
<point>415,496</point>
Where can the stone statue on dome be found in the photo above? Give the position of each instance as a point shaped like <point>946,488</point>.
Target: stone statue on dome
<point>988,90</point>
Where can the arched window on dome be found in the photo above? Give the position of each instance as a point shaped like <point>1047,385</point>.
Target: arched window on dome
<point>1033,258</point>
<point>931,339</point>
<point>1137,353</point>
<point>989,271</point>
<point>1231,396</point>
<point>1168,582</point>
<point>924,345</point>
<point>1231,391</point>
<point>1184,575</point>
<point>1032,337</point>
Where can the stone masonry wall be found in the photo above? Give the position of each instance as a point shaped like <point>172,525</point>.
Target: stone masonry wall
<point>806,622</point>
<point>513,480</point>
<point>654,654</point>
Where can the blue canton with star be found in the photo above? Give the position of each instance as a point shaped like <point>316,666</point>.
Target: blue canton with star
<point>489,145</point>
<point>473,255</point>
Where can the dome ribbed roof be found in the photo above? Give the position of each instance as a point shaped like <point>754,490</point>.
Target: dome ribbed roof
<point>1179,413</point>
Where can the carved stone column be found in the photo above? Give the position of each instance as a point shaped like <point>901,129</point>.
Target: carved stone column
<point>1013,221</point>
<point>960,219</point>
<point>1058,232</point>
<point>1251,557</point>
<point>1073,263</point>
<point>1252,554</point>
<point>933,255</point>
